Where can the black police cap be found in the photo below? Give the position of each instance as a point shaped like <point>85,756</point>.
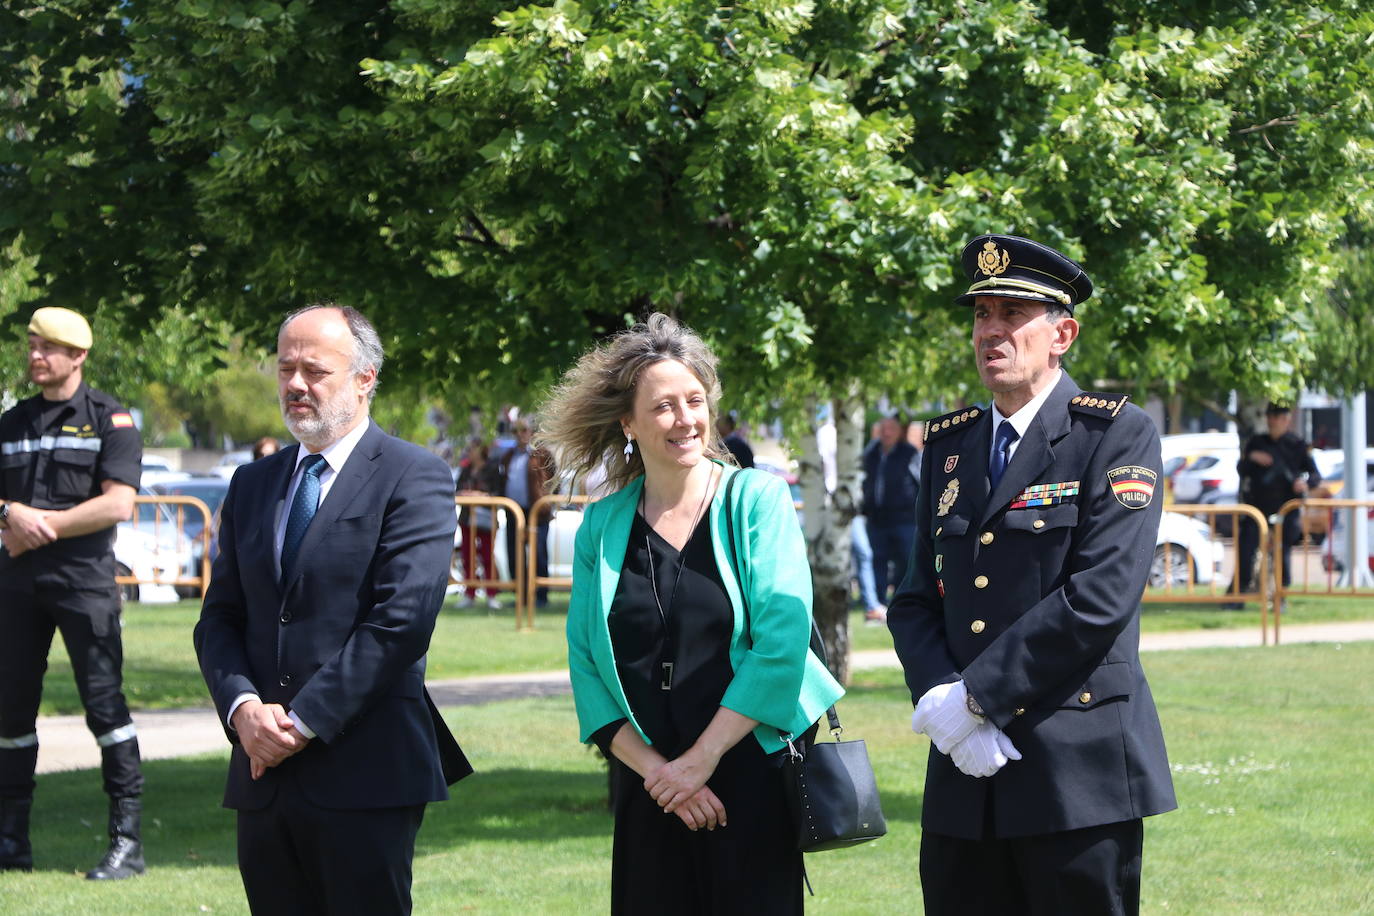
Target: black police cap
<point>1017,268</point>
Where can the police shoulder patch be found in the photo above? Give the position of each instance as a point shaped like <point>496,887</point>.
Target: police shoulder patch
<point>1132,485</point>
<point>956,419</point>
<point>1098,403</point>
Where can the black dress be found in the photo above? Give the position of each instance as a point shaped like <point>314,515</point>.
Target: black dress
<point>659,866</point>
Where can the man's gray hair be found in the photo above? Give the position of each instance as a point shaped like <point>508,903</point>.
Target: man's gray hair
<point>367,346</point>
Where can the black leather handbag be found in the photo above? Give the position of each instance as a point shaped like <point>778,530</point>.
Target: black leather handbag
<point>829,785</point>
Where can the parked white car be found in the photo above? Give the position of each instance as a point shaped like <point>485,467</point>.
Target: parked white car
<point>1215,471</point>
<point>150,557</point>
<point>1184,553</point>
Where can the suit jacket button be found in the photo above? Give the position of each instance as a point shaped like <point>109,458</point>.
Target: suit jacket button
<point>285,679</point>
<point>977,626</point>
<point>1085,697</point>
<point>986,537</point>
<point>980,582</point>
<point>285,617</point>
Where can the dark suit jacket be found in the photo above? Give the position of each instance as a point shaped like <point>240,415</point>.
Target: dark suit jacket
<point>1036,606</point>
<point>343,643</point>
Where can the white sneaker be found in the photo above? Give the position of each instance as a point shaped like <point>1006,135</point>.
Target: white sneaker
<point>494,603</point>
<point>465,602</point>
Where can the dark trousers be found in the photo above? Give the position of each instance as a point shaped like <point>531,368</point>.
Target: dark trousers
<point>541,564</point>
<point>1247,542</point>
<point>89,622</point>
<point>297,859</point>
<point>1093,870</point>
<point>891,545</point>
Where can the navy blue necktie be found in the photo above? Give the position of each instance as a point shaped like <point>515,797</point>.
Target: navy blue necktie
<point>1001,452</point>
<point>303,506</point>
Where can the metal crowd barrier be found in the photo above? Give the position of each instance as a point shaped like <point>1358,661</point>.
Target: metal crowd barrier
<point>159,526</point>
<point>544,504</point>
<point>1338,576</point>
<point>1214,592</point>
<point>515,516</point>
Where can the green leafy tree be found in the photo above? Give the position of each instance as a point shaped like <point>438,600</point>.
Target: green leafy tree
<point>500,184</point>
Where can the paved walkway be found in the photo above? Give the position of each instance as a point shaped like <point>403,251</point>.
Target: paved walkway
<point>65,744</point>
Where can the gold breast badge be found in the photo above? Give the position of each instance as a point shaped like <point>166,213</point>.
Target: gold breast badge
<point>948,497</point>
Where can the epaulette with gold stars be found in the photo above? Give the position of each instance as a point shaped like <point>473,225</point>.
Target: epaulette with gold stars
<point>953,420</point>
<point>1098,403</point>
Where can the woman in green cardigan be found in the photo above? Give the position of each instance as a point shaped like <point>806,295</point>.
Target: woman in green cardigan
<point>689,656</point>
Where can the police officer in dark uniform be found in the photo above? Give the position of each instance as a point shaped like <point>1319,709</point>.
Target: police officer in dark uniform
<point>1275,467</point>
<point>70,459</point>
<point>1018,622</point>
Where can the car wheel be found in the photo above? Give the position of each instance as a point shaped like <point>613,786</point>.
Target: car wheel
<point>126,592</point>
<point>1171,567</point>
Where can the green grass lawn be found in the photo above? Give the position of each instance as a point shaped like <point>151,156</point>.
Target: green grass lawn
<point>161,673</point>
<point>1269,746</point>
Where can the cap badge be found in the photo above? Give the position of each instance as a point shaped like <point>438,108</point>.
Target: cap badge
<point>948,497</point>
<point>993,260</point>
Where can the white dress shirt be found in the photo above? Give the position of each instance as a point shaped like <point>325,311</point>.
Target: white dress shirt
<point>1021,420</point>
<point>335,456</point>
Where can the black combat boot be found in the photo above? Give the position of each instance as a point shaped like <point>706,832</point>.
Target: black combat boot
<point>124,858</point>
<point>15,852</point>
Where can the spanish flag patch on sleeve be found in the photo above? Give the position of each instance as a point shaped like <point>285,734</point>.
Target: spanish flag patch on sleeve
<point>121,420</point>
<point>1132,485</point>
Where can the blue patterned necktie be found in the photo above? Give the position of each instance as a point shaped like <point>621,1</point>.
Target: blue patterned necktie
<point>1006,435</point>
<point>303,506</point>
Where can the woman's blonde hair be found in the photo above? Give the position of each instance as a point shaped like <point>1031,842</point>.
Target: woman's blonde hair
<point>581,419</point>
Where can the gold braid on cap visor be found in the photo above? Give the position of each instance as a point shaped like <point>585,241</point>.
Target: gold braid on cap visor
<point>1004,282</point>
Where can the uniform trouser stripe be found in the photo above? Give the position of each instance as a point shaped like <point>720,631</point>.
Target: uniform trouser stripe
<point>14,744</point>
<point>123,733</point>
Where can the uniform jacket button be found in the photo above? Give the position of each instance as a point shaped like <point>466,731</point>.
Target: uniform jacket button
<point>285,679</point>
<point>938,530</point>
<point>1019,711</point>
<point>980,582</point>
<point>1038,523</point>
<point>285,617</point>
<point>986,537</point>
<point>1085,697</point>
<point>977,626</point>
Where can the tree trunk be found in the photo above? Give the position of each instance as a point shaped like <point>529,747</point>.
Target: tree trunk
<point>827,516</point>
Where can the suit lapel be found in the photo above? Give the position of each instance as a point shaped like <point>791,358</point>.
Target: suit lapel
<point>615,537</point>
<point>1036,451</point>
<point>353,476</point>
<point>275,499</point>
<point>973,462</point>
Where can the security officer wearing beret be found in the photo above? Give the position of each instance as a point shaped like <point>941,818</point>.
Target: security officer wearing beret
<point>1018,625</point>
<point>70,459</point>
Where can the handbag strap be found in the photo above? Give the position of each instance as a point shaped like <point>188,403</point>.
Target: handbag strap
<point>817,641</point>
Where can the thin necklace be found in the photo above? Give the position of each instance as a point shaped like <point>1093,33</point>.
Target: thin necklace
<point>682,557</point>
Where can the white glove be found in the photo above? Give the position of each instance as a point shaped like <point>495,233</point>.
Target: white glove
<point>985,751</point>
<point>942,713</point>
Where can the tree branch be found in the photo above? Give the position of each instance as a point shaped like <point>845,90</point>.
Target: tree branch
<point>1272,122</point>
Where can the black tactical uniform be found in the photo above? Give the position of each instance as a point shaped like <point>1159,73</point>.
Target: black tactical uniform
<point>54,455</point>
<point>1267,489</point>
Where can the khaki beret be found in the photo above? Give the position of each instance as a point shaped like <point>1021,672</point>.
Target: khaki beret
<point>61,326</point>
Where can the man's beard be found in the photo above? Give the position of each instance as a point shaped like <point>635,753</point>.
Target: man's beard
<point>323,426</point>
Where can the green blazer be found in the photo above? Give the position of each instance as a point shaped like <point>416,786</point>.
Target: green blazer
<point>777,680</point>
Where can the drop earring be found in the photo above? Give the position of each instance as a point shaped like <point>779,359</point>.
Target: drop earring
<point>629,447</point>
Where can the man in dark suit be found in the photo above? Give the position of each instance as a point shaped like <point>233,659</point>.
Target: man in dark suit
<point>333,560</point>
<point>1018,622</point>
